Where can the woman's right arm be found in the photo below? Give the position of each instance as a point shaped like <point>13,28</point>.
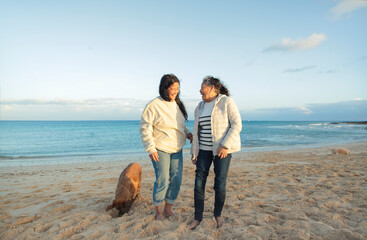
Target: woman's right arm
<point>146,132</point>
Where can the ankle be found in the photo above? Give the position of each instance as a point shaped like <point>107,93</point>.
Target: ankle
<point>158,210</point>
<point>194,224</point>
<point>168,207</point>
<point>219,221</point>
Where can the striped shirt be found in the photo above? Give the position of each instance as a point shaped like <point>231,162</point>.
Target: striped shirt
<point>205,135</point>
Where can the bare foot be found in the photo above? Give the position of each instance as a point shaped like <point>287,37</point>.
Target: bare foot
<point>158,213</point>
<point>194,224</point>
<point>159,217</point>
<point>168,214</point>
<point>219,221</point>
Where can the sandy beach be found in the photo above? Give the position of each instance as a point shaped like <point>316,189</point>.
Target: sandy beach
<point>309,193</point>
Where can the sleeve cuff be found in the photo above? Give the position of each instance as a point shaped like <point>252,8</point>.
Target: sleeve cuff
<point>224,145</point>
<point>152,150</point>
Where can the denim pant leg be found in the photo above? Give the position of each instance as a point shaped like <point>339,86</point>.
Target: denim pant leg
<point>221,167</point>
<point>175,177</point>
<point>203,164</point>
<point>161,169</point>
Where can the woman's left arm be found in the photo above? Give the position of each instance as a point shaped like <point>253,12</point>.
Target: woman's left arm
<point>235,123</point>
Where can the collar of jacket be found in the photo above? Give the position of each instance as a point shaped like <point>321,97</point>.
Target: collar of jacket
<point>217,99</point>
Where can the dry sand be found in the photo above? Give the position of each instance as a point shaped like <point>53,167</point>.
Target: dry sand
<point>294,194</point>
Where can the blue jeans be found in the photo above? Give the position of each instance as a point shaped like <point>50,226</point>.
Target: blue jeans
<point>168,175</point>
<point>221,166</point>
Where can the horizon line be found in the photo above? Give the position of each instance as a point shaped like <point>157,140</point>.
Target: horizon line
<point>245,120</point>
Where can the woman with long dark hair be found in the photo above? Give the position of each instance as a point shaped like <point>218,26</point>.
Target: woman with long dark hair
<point>216,136</point>
<point>163,133</point>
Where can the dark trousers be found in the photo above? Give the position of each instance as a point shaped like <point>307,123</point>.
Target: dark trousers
<point>221,166</point>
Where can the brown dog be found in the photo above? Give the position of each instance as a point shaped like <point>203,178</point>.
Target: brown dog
<point>128,187</point>
<point>341,151</point>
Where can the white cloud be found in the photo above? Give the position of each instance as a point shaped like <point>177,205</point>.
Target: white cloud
<point>300,44</point>
<point>84,109</point>
<point>304,110</point>
<point>346,6</point>
<point>293,70</point>
<point>66,109</point>
<point>328,71</point>
<point>355,110</point>
<point>6,107</point>
<point>127,102</point>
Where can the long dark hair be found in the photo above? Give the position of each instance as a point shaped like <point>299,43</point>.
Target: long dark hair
<point>166,81</point>
<point>218,85</point>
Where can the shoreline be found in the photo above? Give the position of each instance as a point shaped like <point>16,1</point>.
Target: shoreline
<point>303,193</point>
<point>141,156</point>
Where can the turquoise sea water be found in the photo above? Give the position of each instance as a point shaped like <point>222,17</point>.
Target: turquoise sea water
<point>63,142</point>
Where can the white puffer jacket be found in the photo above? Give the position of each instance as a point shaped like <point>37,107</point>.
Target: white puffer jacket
<point>226,126</point>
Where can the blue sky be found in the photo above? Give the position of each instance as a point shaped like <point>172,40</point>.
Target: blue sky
<point>103,60</point>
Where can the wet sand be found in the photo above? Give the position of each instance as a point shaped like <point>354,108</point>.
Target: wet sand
<point>310,193</point>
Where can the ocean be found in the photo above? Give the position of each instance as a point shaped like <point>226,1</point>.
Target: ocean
<point>26,143</point>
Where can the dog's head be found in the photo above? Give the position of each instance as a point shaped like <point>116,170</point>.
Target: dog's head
<point>122,205</point>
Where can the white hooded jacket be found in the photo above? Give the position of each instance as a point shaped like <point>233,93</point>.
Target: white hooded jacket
<point>226,126</point>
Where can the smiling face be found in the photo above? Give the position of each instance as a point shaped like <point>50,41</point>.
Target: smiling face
<point>207,93</point>
<point>173,91</point>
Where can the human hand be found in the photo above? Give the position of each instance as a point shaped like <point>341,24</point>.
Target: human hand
<point>189,136</point>
<point>193,160</point>
<point>154,156</point>
<point>222,152</point>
